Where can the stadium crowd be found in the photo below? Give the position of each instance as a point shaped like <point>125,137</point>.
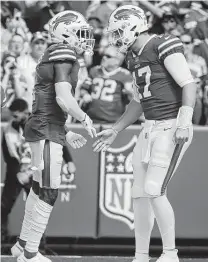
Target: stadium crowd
<point>24,28</point>
<point>104,83</point>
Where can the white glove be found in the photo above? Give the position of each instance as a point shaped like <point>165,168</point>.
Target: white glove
<point>75,140</point>
<point>87,124</point>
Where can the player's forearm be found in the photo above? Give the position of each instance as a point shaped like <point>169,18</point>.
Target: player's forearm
<point>132,113</point>
<point>74,110</point>
<point>67,102</point>
<point>185,114</point>
<point>189,95</point>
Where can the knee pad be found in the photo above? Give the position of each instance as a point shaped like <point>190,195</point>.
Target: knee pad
<point>48,195</point>
<point>35,187</point>
<point>137,192</point>
<point>152,188</point>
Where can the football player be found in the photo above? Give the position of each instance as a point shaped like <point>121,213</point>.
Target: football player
<point>165,91</point>
<point>56,78</point>
<point>107,88</point>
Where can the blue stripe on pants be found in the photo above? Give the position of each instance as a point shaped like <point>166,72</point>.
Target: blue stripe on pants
<point>47,163</point>
<point>173,162</point>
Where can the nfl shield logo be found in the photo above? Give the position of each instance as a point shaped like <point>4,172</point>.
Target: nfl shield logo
<point>116,178</point>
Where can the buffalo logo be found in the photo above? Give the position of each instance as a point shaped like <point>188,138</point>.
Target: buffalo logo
<point>116,180</point>
<point>124,14</point>
<point>66,19</point>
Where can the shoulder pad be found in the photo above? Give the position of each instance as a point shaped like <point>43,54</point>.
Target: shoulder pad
<point>168,44</point>
<point>61,52</point>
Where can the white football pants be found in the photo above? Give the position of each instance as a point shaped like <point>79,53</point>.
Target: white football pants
<point>47,158</point>
<point>152,157</point>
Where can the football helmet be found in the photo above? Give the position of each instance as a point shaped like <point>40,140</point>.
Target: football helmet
<point>72,27</point>
<point>124,26</point>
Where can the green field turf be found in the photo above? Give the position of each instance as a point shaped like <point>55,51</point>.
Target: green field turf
<point>95,259</point>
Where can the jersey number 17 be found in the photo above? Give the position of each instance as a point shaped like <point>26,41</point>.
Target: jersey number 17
<point>143,75</point>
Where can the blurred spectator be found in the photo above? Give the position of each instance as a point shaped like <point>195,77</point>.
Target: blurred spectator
<point>197,12</point>
<point>37,16</point>
<point>205,101</point>
<point>16,45</point>
<point>198,67</point>
<point>12,23</point>
<point>98,14</point>
<point>17,157</point>
<point>27,64</point>
<point>196,62</point>
<point>103,12</point>
<point>167,18</point>
<point>105,92</point>
<point>198,109</point>
<point>12,82</point>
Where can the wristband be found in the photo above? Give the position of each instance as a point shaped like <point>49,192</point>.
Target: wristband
<point>184,118</point>
<point>114,130</point>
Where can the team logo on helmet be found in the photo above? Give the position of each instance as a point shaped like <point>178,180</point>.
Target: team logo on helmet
<point>67,19</point>
<point>124,14</point>
<point>116,181</point>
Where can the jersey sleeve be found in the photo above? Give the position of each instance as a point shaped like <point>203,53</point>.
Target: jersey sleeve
<point>61,53</point>
<point>169,45</point>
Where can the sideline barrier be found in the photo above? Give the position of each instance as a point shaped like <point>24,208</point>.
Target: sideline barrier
<point>97,203</point>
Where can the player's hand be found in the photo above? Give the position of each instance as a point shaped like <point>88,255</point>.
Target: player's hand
<point>106,139</point>
<point>87,124</point>
<point>75,140</point>
<point>181,135</point>
<point>71,167</point>
<point>87,98</point>
<point>23,178</point>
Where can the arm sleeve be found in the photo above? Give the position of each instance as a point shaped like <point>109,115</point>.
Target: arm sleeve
<point>178,68</point>
<point>66,155</point>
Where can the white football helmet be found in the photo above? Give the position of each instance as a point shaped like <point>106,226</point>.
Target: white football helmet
<point>125,24</point>
<point>72,27</point>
